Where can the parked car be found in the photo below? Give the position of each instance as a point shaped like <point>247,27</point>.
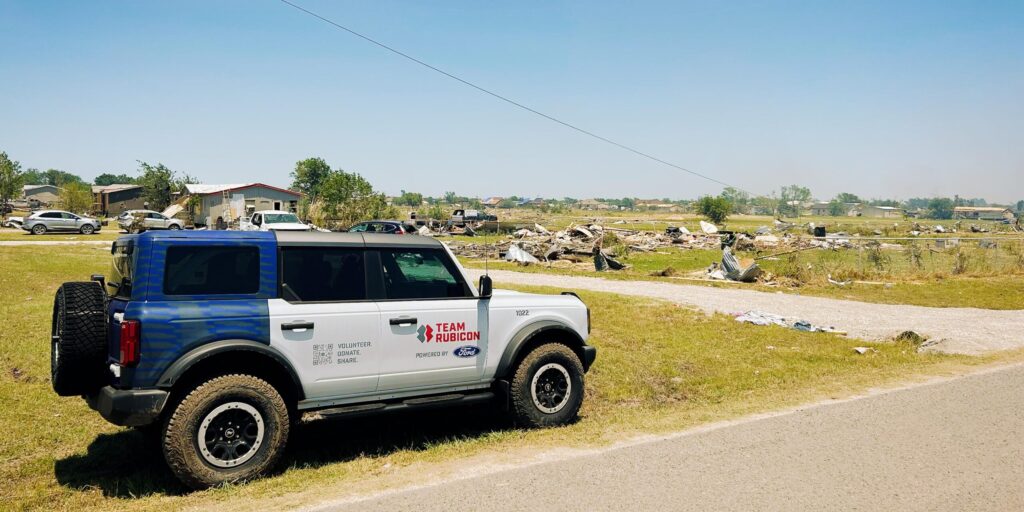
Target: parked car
<point>14,222</point>
<point>392,227</point>
<point>217,342</point>
<point>273,220</point>
<point>44,221</point>
<point>149,220</point>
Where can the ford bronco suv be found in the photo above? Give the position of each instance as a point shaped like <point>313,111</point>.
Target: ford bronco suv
<point>216,342</point>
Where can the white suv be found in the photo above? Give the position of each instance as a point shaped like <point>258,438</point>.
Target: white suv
<point>149,220</point>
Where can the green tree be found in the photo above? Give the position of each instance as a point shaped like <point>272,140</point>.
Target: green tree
<point>409,198</point>
<point>309,176</point>
<point>34,176</point>
<point>450,197</point>
<point>507,203</point>
<point>837,208</point>
<point>59,178</point>
<point>346,198</point>
<point>112,179</point>
<point>1020,206</point>
<point>11,178</point>
<point>158,183</point>
<point>940,208</point>
<point>791,197</point>
<point>76,197</point>
<point>716,209</point>
<point>628,202</point>
<point>737,198</point>
<point>846,197</point>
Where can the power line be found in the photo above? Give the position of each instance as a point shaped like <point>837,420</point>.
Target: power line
<point>506,99</point>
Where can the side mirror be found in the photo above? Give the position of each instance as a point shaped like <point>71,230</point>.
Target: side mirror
<point>486,287</point>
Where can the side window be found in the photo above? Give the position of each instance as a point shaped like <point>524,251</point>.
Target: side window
<point>358,228</point>
<point>421,274</point>
<point>212,270</point>
<point>69,216</point>
<point>50,215</point>
<point>257,219</point>
<point>318,274</point>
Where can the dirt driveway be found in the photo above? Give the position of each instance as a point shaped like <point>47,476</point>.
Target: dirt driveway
<point>959,330</point>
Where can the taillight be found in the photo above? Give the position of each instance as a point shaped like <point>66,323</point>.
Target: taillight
<point>131,337</point>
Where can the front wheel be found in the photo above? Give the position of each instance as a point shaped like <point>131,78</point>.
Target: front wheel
<point>228,429</point>
<point>174,227</point>
<point>87,229</point>
<point>547,388</point>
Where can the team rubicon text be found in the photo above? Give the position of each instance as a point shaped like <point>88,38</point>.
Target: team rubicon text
<point>446,332</point>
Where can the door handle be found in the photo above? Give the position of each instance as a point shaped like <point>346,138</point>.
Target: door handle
<point>296,326</point>
<point>403,320</point>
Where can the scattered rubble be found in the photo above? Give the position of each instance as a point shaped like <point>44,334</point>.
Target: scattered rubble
<point>762,318</point>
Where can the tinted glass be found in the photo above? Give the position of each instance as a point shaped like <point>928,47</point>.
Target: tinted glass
<point>199,270</point>
<point>358,228</point>
<point>69,216</point>
<point>273,218</point>
<point>421,274</point>
<point>50,215</point>
<point>312,274</point>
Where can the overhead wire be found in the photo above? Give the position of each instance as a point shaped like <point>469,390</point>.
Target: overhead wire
<point>507,99</point>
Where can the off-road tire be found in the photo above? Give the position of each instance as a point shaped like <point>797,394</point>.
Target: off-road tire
<point>78,342</point>
<point>180,444</point>
<point>39,229</point>
<point>87,229</point>
<point>524,410</point>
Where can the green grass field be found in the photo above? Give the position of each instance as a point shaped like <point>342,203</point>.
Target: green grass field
<point>660,368</point>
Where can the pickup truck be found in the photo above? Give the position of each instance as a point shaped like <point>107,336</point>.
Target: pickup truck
<point>273,220</point>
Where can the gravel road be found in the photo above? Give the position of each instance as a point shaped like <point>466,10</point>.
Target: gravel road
<point>952,445</point>
<point>956,330</point>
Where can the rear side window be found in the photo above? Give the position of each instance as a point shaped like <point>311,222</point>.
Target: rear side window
<point>212,270</point>
<point>421,274</point>
<point>322,274</point>
<point>50,215</point>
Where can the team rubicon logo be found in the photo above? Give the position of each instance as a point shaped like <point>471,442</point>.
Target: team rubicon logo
<point>425,333</point>
<point>446,332</point>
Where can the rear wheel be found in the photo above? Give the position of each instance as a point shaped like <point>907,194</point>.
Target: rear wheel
<point>87,229</point>
<point>547,388</point>
<point>228,429</point>
<point>78,341</point>
<point>174,227</point>
<point>39,229</point>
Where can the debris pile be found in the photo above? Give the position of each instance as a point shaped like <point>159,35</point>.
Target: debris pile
<point>762,318</point>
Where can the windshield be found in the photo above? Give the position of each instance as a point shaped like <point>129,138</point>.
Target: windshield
<point>275,218</point>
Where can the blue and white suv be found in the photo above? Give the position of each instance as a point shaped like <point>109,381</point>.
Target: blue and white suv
<point>217,341</point>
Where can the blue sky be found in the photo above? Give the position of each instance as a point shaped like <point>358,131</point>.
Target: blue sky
<point>883,99</point>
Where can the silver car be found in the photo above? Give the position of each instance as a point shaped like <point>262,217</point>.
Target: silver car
<point>44,221</point>
<point>150,220</point>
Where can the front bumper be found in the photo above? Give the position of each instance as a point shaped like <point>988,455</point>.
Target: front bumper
<point>128,407</point>
<point>589,355</point>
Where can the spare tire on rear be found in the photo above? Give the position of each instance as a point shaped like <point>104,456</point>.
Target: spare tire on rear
<point>78,344</point>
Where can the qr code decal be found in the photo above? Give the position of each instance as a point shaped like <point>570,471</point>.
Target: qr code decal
<point>322,354</point>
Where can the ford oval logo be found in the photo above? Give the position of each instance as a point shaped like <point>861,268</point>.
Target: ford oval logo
<point>466,351</point>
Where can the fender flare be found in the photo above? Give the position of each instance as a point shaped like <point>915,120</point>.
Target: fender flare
<point>530,332</point>
<point>181,365</point>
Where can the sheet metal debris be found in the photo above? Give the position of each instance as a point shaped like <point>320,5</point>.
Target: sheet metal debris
<point>762,318</point>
